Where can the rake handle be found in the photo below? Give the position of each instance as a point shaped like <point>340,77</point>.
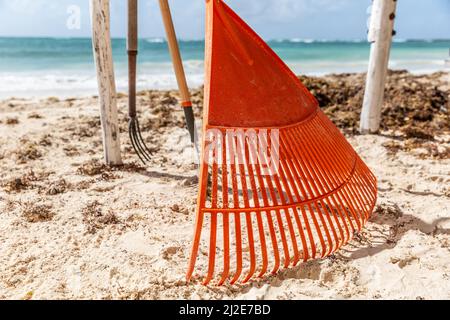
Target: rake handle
<point>132,49</point>
<point>175,52</point>
<point>179,69</point>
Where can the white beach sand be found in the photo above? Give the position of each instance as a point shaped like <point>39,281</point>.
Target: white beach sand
<point>70,228</point>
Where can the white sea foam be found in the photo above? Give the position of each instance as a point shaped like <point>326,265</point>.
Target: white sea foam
<point>154,75</point>
<point>35,85</point>
<point>155,40</point>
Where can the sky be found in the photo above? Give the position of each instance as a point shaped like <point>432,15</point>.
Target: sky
<point>273,19</point>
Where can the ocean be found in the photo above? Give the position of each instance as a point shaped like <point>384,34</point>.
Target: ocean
<point>35,67</point>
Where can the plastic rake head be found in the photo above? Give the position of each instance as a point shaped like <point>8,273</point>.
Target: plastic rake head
<point>262,217</point>
<point>279,184</point>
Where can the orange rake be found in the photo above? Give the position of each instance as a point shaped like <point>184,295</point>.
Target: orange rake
<point>279,183</point>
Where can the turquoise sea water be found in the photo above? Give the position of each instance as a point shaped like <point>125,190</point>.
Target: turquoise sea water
<point>48,66</point>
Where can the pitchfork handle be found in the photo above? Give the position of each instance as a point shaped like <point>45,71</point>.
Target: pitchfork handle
<point>132,47</point>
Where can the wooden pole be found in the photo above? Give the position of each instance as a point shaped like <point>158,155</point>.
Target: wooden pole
<point>179,72</point>
<point>380,34</point>
<point>175,51</point>
<point>101,41</point>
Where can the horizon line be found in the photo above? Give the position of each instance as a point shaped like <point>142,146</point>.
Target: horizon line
<point>294,39</point>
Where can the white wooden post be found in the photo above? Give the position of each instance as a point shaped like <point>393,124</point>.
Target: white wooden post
<point>101,41</point>
<point>380,34</point>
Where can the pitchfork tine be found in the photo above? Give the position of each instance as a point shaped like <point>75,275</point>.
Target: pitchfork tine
<point>138,144</point>
<point>147,151</point>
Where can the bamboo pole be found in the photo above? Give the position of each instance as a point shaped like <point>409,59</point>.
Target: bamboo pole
<point>101,42</point>
<point>380,34</point>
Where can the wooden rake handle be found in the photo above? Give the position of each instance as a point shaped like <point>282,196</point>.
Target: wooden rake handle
<point>179,70</point>
<point>175,52</point>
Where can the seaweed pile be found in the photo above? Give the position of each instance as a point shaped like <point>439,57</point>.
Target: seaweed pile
<point>416,110</point>
<point>415,105</point>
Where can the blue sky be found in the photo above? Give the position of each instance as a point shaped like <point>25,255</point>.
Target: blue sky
<point>273,19</point>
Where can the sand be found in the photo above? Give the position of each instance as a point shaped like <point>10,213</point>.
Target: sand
<point>71,228</point>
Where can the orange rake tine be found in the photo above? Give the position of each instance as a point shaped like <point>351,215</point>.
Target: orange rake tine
<point>262,187</point>
<point>285,204</point>
<point>319,176</point>
<point>226,216</point>
<point>305,176</point>
<point>337,169</point>
<point>289,177</point>
<point>212,249</point>
<point>237,216</point>
<point>262,236</point>
<point>320,189</point>
<point>213,231</point>
<point>303,184</point>
<point>248,218</point>
<point>331,167</point>
<point>226,249</point>
<point>278,216</point>
<point>304,215</point>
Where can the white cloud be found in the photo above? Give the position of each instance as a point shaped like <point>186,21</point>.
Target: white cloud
<point>282,10</point>
<point>28,6</point>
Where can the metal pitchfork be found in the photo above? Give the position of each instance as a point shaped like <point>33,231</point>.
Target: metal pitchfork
<point>137,141</point>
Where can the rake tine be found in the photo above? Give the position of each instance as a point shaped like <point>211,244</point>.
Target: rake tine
<point>302,208</point>
<point>296,256</point>
<point>226,249</point>
<point>353,202</point>
<point>226,216</point>
<point>318,187</point>
<point>287,173</point>
<point>279,220</point>
<point>237,226</point>
<point>325,202</point>
<point>251,240</point>
<point>262,236</point>
<point>262,240</point>
<point>195,246</point>
<point>248,218</point>
<point>253,150</point>
<point>300,176</point>
<point>335,198</point>
<point>213,234</point>
<point>326,164</point>
<point>313,191</point>
<point>212,250</point>
<point>282,177</point>
<point>237,214</point>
